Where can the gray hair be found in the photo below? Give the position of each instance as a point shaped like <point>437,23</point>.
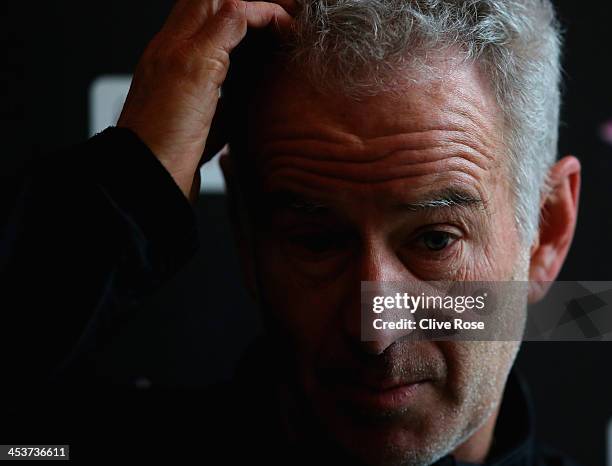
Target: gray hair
<point>517,43</point>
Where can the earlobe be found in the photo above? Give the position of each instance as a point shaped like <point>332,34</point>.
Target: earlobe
<point>559,210</point>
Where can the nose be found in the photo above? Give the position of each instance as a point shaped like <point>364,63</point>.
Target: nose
<point>377,272</point>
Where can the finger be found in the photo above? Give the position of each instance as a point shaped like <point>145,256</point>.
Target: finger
<point>225,31</point>
<point>188,16</point>
<point>262,14</point>
<point>290,6</point>
<point>228,27</point>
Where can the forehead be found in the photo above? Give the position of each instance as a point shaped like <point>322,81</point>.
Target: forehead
<point>438,130</point>
<point>456,94</point>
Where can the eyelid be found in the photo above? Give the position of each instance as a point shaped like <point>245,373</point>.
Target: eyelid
<point>454,218</point>
<point>454,231</point>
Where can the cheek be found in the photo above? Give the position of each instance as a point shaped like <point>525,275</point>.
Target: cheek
<point>477,372</point>
<point>305,311</point>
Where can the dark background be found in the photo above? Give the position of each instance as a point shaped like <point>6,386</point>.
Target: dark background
<point>193,331</point>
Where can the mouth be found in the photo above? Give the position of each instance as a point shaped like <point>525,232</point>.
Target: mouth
<point>392,398</point>
<point>390,394</point>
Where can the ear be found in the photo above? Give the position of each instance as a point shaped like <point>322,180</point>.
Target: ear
<point>241,227</point>
<point>559,210</point>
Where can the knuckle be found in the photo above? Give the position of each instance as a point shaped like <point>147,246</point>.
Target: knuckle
<point>216,69</point>
<point>231,8</point>
<point>215,64</point>
<point>209,48</point>
<point>196,63</point>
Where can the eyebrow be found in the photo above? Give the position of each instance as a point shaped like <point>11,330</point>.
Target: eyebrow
<point>445,198</point>
<point>294,201</point>
<point>448,197</point>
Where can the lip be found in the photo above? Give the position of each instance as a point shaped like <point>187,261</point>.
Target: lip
<point>384,395</point>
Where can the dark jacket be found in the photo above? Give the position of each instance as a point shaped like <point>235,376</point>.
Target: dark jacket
<point>92,230</point>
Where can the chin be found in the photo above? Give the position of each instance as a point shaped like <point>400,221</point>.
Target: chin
<point>412,436</point>
<point>394,446</point>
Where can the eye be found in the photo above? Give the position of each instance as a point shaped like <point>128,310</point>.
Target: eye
<point>437,240</point>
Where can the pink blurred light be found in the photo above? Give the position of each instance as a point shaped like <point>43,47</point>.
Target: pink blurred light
<point>606,131</point>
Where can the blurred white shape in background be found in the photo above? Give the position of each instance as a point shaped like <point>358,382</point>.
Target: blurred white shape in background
<point>605,131</point>
<point>107,94</point>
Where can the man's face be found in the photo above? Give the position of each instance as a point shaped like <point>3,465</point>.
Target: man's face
<point>339,181</point>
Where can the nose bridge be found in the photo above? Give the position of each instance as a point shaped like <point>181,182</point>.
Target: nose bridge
<point>377,262</point>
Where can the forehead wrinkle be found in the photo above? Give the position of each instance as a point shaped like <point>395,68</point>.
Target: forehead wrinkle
<point>420,159</point>
<point>470,121</point>
<point>314,185</point>
<point>333,137</point>
<point>384,158</point>
<point>397,165</point>
<point>471,111</point>
<point>288,131</point>
<point>376,148</point>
